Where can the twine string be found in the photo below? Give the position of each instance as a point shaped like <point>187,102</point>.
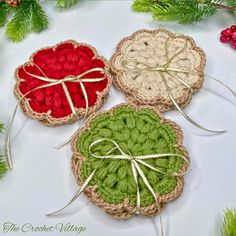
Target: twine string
<point>52,82</point>
<point>165,69</point>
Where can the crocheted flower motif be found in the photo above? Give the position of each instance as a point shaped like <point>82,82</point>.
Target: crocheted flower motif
<point>138,131</point>
<point>50,105</point>
<point>138,57</point>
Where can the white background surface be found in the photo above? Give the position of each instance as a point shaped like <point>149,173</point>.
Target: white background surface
<point>42,180</point>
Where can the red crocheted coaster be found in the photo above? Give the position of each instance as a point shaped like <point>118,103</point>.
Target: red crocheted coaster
<point>67,59</point>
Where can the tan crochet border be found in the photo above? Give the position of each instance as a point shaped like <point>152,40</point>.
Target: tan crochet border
<point>46,118</point>
<point>161,103</point>
<point>125,210</point>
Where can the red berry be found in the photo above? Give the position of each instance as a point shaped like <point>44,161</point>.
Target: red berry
<point>228,32</point>
<point>228,39</point>
<point>234,36</point>
<point>222,33</point>
<point>233,44</point>
<point>223,39</point>
<point>233,27</point>
<point>229,36</point>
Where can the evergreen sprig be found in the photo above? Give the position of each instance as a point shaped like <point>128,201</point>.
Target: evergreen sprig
<point>3,167</point>
<point>3,164</point>
<point>231,2</point>
<point>28,17</point>
<point>229,225</point>
<point>142,5</point>
<point>4,11</point>
<point>182,11</point>
<point>66,3</point>
<point>39,17</point>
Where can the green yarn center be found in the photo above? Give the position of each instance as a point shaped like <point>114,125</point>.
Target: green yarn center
<point>138,133</point>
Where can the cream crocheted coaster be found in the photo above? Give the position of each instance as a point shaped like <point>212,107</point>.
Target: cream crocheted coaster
<point>139,64</point>
<point>138,131</point>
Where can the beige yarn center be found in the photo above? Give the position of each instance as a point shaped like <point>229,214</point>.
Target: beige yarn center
<point>148,49</point>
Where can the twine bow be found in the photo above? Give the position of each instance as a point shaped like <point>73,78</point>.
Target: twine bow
<point>52,82</point>
<point>135,162</point>
<point>166,69</point>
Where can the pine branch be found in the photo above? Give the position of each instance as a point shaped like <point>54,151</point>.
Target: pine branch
<point>4,11</point>
<point>229,225</point>
<point>66,3</point>
<point>28,17</point>
<point>19,25</point>
<point>182,11</point>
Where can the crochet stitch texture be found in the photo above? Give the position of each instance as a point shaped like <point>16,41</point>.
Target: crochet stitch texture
<point>136,58</point>
<point>50,104</point>
<point>138,131</point>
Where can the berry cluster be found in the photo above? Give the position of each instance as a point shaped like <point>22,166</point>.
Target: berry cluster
<point>229,36</point>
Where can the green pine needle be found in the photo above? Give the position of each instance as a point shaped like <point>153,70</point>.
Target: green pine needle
<point>229,225</point>
<point>3,167</point>
<point>1,128</point>
<point>182,11</point>
<point>19,25</point>
<point>39,17</point>
<point>4,11</point>
<point>3,164</point>
<point>28,17</point>
<point>142,5</point>
<point>66,3</point>
<point>231,2</point>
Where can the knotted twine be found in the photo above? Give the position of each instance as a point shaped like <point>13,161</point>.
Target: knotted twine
<point>52,82</point>
<point>165,69</point>
<point>135,162</point>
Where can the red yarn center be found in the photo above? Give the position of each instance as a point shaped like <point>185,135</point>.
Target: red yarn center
<point>58,63</point>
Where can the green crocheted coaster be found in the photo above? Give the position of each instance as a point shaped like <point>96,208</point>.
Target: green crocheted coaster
<point>138,132</point>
